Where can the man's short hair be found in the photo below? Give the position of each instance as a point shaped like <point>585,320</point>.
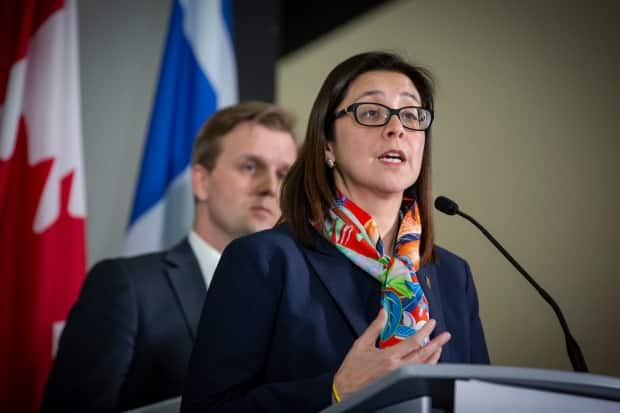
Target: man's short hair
<point>207,144</point>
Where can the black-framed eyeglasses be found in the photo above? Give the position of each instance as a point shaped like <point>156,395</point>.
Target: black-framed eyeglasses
<point>376,114</point>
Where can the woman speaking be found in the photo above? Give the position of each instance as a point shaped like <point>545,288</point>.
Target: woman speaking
<point>350,285</point>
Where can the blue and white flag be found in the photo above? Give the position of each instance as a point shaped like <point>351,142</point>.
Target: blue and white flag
<point>198,76</point>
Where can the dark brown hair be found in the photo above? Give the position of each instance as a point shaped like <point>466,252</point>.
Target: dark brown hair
<point>207,144</point>
<point>308,190</point>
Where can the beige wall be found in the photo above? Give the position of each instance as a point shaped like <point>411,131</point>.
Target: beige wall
<point>525,139</point>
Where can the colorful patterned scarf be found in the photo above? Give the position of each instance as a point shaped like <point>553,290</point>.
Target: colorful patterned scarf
<point>354,233</point>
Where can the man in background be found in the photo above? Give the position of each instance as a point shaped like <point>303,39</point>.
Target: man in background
<point>128,338</point>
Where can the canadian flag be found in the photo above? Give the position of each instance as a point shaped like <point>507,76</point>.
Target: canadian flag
<point>42,203</point>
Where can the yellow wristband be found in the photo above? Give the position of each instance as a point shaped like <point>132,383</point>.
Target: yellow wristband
<point>335,392</point>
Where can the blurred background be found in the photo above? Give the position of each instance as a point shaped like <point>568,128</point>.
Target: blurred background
<point>525,138</point>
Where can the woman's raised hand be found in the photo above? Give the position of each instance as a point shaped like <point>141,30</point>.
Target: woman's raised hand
<point>365,363</point>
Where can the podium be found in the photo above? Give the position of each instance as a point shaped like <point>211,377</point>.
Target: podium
<point>465,388</point>
<point>164,406</point>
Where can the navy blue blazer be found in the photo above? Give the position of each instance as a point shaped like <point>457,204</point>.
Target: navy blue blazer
<point>279,319</point>
<point>129,336</point>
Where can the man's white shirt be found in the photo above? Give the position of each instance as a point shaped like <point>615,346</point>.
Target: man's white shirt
<point>207,256</point>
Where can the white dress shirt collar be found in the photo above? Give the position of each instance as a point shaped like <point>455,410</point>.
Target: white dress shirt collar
<point>207,256</point>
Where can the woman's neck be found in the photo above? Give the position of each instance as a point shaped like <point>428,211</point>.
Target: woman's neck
<point>388,237</point>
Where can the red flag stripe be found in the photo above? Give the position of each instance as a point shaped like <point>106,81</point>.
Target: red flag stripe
<point>41,270</point>
<point>19,20</point>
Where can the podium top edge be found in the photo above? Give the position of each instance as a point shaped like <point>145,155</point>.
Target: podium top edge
<point>504,373</point>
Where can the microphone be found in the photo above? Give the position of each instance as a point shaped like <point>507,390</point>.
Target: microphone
<point>449,207</point>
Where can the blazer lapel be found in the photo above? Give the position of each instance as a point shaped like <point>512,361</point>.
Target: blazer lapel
<point>187,283</point>
<point>338,275</point>
<point>429,281</point>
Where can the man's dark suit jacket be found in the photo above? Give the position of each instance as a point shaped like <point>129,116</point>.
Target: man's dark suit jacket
<point>128,338</point>
<point>279,319</point>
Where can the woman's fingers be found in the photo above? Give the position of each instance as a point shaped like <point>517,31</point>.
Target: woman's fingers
<point>434,359</point>
<point>369,337</point>
<point>414,342</point>
<point>430,351</point>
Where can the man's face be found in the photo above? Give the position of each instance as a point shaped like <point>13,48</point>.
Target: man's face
<point>241,194</point>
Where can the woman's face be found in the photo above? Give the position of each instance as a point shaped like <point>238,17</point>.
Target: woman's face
<point>376,161</point>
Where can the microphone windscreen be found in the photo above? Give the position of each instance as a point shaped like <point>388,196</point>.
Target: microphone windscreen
<point>446,205</point>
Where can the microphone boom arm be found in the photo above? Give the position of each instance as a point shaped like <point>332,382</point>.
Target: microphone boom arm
<point>574,352</point>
